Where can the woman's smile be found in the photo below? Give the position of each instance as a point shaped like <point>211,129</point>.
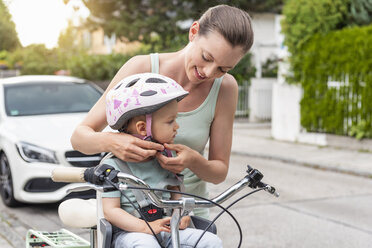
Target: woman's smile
<point>198,75</point>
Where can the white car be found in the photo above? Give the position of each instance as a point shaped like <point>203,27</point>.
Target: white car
<point>37,117</point>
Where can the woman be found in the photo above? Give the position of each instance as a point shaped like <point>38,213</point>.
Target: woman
<point>217,42</point>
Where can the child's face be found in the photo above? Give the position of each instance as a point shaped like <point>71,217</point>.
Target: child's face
<point>164,125</point>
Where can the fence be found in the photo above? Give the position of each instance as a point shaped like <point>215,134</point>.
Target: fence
<point>242,109</point>
<point>260,99</point>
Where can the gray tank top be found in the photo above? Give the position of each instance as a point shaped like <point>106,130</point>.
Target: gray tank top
<point>194,132</point>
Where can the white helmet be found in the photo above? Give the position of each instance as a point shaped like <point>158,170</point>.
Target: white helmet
<point>140,94</point>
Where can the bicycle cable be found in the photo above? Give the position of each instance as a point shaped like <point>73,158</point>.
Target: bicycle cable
<point>215,218</point>
<point>205,199</point>
<point>136,208</point>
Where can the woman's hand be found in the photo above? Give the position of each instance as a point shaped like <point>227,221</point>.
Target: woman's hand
<point>132,149</point>
<point>185,222</point>
<point>186,158</point>
<point>160,225</point>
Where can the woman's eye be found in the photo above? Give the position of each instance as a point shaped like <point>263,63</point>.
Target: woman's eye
<point>204,58</point>
<point>222,71</point>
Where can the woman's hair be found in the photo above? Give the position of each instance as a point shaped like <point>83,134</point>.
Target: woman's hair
<point>232,23</point>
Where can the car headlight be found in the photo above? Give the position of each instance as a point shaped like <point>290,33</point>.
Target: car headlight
<point>32,153</point>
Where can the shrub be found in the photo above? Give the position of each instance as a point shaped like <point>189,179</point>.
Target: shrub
<point>36,59</point>
<point>96,67</point>
<point>304,18</point>
<point>244,70</point>
<point>344,58</point>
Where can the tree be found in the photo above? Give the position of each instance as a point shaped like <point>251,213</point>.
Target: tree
<point>159,23</point>
<point>8,35</point>
<point>67,42</point>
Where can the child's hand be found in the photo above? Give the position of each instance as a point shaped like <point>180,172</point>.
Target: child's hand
<point>160,225</point>
<point>185,222</point>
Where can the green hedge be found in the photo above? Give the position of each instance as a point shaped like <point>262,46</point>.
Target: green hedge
<point>96,67</point>
<point>38,60</point>
<point>339,56</point>
<point>304,18</point>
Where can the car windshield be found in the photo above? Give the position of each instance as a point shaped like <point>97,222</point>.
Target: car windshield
<point>49,98</point>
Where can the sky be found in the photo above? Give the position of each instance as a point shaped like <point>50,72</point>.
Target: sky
<point>41,21</point>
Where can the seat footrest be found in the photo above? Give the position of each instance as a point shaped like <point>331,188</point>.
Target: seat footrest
<point>58,239</point>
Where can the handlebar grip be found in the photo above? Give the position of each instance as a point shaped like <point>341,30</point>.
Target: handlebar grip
<point>68,175</point>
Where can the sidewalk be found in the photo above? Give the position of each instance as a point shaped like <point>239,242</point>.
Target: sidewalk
<point>11,232</point>
<point>254,139</point>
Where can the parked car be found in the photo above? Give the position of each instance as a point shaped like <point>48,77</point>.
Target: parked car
<point>37,117</point>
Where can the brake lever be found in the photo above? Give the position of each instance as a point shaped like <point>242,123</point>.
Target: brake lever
<point>255,177</point>
<point>271,190</point>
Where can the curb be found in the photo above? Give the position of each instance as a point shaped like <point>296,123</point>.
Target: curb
<point>306,164</point>
<point>7,232</point>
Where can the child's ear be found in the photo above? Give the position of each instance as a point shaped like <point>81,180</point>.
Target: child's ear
<point>141,128</point>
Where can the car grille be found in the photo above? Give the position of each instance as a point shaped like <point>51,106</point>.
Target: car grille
<point>38,185</point>
<point>79,159</point>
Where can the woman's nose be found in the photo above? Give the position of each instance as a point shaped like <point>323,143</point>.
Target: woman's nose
<point>210,71</point>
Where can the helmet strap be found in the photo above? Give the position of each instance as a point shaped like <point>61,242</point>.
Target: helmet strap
<point>148,125</point>
<point>148,136</point>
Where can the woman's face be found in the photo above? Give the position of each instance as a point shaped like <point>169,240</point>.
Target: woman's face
<point>210,56</point>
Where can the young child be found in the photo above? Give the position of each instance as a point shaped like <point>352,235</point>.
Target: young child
<point>145,105</point>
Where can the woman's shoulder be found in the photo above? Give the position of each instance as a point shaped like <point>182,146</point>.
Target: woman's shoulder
<point>136,64</point>
<point>227,96</point>
<point>139,63</point>
<point>229,83</point>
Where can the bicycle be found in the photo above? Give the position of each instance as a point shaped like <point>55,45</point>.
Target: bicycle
<point>104,179</point>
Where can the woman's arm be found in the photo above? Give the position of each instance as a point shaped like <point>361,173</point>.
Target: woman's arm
<point>125,221</point>
<point>214,169</point>
<point>89,139</point>
<point>222,128</point>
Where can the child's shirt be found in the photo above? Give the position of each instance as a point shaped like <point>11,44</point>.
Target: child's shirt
<point>149,171</point>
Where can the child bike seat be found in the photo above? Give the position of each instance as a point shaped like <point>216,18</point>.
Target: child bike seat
<point>106,229</point>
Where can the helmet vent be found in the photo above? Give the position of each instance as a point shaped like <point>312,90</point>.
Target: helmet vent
<point>117,86</point>
<point>148,93</point>
<point>156,80</point>
<point>133,82</point>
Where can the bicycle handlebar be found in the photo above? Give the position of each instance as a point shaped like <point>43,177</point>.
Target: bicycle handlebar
<point>78,175</point>
<point>105,178</point>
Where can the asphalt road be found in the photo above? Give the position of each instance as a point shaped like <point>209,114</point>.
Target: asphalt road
<point>316,208</point>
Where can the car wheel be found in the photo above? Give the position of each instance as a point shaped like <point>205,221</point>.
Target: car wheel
<point>6,183</point>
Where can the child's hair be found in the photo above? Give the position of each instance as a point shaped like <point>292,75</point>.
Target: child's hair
<point>138,95</point>
<point>232,23</point>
